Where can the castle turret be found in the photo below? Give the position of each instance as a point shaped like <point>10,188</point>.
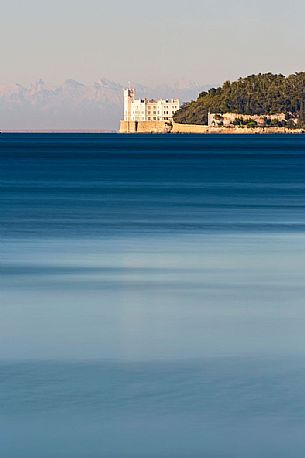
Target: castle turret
<point>129,97</point>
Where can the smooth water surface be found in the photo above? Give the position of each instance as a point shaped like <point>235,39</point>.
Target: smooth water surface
<point>152,296</point>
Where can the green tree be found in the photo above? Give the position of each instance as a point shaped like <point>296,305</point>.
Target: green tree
<point>261,94</point>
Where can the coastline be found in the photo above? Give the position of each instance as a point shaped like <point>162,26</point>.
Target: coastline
<point>162,127</point>
<point>58,131</point>
<point>201,129</point>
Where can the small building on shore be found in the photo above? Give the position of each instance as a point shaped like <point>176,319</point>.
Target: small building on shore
<point>236,119</point>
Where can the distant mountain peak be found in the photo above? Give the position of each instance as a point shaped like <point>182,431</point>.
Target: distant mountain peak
<point>74,104</point>
<point>73,83</point>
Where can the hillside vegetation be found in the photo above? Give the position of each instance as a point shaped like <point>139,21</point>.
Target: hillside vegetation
<point>256,94</point>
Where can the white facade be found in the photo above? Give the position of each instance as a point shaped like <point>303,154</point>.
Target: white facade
<point>148,110</point>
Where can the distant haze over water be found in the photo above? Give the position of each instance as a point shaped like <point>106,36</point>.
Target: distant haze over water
<point>74,105</point>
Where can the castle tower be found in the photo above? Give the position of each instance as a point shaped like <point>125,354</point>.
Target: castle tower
<point>129,97</point>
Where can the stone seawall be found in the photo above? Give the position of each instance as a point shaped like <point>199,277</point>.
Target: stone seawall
<point>144,127</point>
<point>189,129</point>
<point>200,129</point>
<point>162,127</point>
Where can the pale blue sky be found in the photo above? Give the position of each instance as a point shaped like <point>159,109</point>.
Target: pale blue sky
<point>151,42</point>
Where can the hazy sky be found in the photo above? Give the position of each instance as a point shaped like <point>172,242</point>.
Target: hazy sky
<point>150,42</point>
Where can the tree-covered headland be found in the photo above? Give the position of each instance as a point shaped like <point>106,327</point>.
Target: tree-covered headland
<point>262,94</point>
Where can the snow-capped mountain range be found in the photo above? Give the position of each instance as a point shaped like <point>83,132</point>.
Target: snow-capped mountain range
<point>75,105</point>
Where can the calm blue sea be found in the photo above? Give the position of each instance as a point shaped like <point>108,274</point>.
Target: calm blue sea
<point>152,296</point>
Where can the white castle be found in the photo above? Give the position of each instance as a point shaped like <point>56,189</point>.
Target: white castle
<point>148,110</point>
